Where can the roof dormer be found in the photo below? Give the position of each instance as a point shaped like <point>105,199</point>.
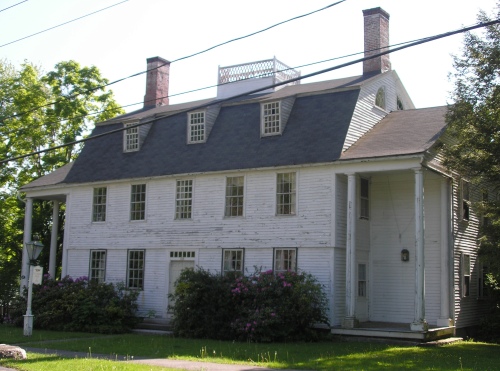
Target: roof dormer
<point>200,124</point>
<point>274,116</point>
<point>134,135</point>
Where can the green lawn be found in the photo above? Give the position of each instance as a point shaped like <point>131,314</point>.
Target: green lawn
<point>333,355</point>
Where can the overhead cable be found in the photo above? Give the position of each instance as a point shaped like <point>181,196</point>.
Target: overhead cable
<point>1,10</point>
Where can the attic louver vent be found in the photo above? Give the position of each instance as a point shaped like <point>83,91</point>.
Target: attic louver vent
<point>182,254</point>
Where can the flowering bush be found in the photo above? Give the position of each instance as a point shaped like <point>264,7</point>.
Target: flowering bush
<point>261,307</point>
<point>80,305</point>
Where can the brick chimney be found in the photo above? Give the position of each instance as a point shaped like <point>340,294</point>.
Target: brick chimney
<point>376,40</point>
<point>157,82</point>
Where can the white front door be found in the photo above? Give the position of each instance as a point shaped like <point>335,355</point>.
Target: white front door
<point>176,267</point>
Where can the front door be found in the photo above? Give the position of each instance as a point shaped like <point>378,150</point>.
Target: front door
<point>176,267</point>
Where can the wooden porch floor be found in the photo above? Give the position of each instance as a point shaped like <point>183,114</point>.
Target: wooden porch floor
<point>392,330</point>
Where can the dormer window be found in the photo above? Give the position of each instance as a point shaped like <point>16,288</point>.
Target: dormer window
<point>196,127</point>
<point>131,138</point>
<point>380,98</point>
<point>271,118</point>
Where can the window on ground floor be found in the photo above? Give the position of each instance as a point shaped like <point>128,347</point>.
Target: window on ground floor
<point>362,280</point>
<point>97,266</point>
<point>232,260</point>
<point>285,260</point>
<point>466,276</point>
<point>135,269</point>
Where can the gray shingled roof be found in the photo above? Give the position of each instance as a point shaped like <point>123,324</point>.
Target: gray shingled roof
<point>400,133</point>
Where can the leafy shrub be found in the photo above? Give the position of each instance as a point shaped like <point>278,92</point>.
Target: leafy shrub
<point>261,307</point>
<point>80,305</point>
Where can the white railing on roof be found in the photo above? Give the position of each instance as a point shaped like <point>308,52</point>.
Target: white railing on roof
<point>259,69</point>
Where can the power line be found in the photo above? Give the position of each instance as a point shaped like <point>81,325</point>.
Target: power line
<point>176,60</point>
<point>62,24</point>
<point>422,41</point>
<point>1,10</point>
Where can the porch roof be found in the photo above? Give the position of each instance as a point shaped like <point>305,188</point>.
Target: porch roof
<point>400,133</point>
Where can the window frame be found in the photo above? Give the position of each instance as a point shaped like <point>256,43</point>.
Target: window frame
<point>135,275</point>
<point>284,263</point>
<point>362,280</point>
<point>138,205</point>
<point>184,199</point>
<point>465,203</point>
<point>197,130</point>
<point>239,258</point>
<point>98,205</point>
<point>286,199</point>
<point>271,118</point>
<point>95,263</point>
<point>131,138</point>
<point>364,199</point>
<point>466,275</point>
<point>234,201</point>
<point>380,94</point>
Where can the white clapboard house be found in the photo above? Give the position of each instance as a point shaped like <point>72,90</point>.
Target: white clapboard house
<point>340,178</point>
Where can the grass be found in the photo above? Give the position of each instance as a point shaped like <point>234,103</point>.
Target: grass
<point>332,355</point>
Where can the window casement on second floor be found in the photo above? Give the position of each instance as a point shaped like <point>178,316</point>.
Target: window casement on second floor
<point>196,127</point>
<point>464,202</point>
<point>285,260</point>
<point>234,196</point>
<point>138,202</point>
<point>131,140</point>
<point>97,266</point>
<point>99,204</point>
<point>364,192</point>
<point>232,260</point>
<point>286,198</point>
<point>184,199</point>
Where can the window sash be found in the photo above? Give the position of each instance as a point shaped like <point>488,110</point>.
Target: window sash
<point>131,138</point>
<point>465,199</point>
<point>184,199</point>
<point>364,211</point>
<point>286,194</point>
<point>271,118</point>
<point>196,127</point>
<point>285,260</point>
<point>466,275</point>
<point>233,261</point>
<point>135,269</point>
<point>234,196</point>
<point>99,204</point>
<point>362,280</point>
<point>97,266</point>
<point>138,202</point>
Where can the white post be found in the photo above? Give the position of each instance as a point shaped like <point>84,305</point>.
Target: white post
<point>28,317</point>
<point>350,320</point>
<point>444,319</point>
<point>28,221</point>
<point>419,322</point>
<point>53,239</point>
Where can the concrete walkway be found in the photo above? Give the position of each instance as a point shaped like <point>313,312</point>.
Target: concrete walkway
<point>162,362</point>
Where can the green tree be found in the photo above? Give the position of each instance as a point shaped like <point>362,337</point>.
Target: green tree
<point>39,111</point>
<point>474,120</point>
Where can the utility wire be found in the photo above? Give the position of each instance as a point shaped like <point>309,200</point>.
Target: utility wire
<point>1,10</point>
<point>176,60</point>
<point>425,40</point>
<point>62,24</point>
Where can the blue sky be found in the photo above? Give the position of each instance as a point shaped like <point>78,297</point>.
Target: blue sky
<point>119,40</point>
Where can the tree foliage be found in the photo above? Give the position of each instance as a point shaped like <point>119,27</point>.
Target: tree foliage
<point>37,111</point>
<point>474,121</point>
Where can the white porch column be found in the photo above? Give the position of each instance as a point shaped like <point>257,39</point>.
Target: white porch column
<point>419,323</point>
<point>53,239</point>
<point>28,222</point>
<point>444,319</point>
<point>350,320</point>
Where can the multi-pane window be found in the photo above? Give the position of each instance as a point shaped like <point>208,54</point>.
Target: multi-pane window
<point>99,205</point>
<point>466,276</point>
<point>364,211</point>
<point>135,269</point>
<point>234,196</point>
<point>362,280</point>
<point>131,138</point>
<point>285,260</point>
<point>285,194</point>
<point>97,266</point>
<point>271,118</point>
<point>232,261</point>
<point>196,127</point>
<point>138,202</point>
<point>183,199</point>
<point>380,98</point>
<point>464,199</point>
